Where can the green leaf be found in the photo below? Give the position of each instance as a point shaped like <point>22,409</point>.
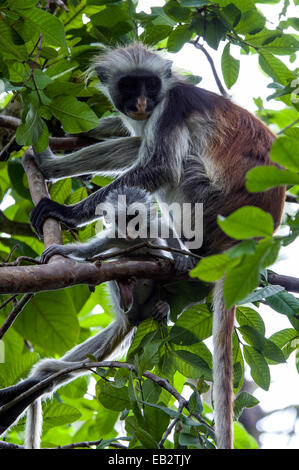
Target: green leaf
<point>211,268</point>
<point>196,320</point>
<point>283,337</point>
<point>285,151</point>
<point>156,33</point>
<point>246,247</point>
<point>195,404</point>
<point>46,24</point>
<point>242,279</point>
<point>251,22</point>
<point>248,316</point>
<point>261,294</point>
<point>113,398</point>
<point>57,414</point>
<point>176,12</point>
<point>265,177</point>
<point>141,434</point>
<point>191,365</point>
<point>242,439</point>
<point>156,421</point>
<point>247,222</point>
<point>178,38</point>
<point>7,44</point>
<point>283,45</point>
<point>74,115</point>
<point>284,302</point>
<point>215,31</point>
<point>258,367</point>
<point>61,190</point>
<point>187,439</point>
<point>262,344</point>
<point>244,400</point>
<point>230,67</point>
<point>110,16</point>
<point>49,320</point>
<point>275,68</point>
<point>30,131</point>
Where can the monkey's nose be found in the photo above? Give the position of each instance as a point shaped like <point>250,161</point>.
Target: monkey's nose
<point>141,104</point>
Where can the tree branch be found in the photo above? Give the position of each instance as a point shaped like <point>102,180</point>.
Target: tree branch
<point>288,282</point>
<point>211,62</point>
<point>68,143</point>
<point>14,314</point>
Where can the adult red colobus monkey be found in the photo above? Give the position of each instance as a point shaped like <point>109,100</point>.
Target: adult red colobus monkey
<point>185,144</point>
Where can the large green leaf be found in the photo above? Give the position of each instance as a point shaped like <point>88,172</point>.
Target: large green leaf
<point>242,279</point>
<point>74,115</point>
<point>244,400</point>
<point>195,324</point>
<point>247,222</point>
<point>275,68</point>
<point>230,67</point>
<point>211,268</point>
<point>46,24</point>
<point>57,414</point>
<point>258,367</point>
<point>178,38</point>
<point>113,398</point>
<point>265,177</point>
<point>49,320</point>
<point>285,151</point>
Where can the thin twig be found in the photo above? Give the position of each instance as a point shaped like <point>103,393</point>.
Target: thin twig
<point>211,62</point>
<point>7,301</point>
<point>14,248</point>
<point>171,426</point>
<point>14,314</point>
<point>288,127</point>
<point>19,260</point>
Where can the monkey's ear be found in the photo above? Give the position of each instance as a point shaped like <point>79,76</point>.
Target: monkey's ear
<point>102,73</point>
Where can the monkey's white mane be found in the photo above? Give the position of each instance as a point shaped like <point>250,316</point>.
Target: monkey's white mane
<point>131,57</point>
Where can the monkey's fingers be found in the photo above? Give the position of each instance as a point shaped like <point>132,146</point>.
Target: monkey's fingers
<point>161,311</point>
<point>51,251</point>
<point>181,264</point>
<point>43,210</point>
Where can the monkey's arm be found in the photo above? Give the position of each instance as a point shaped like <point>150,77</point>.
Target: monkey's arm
<point>93,247</point>
<point>157,166</point>
<point>110,157</point>
<point>111,126</point>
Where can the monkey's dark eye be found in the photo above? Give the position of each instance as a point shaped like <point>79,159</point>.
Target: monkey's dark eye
<point>126,85</point>
<point>153,84</point>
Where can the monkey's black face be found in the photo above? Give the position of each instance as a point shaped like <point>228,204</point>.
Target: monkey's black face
<point>137,94</point>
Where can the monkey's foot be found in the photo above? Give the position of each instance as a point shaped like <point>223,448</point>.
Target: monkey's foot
<point>161,311</point>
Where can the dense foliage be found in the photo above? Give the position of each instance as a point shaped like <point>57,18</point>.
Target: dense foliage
<point>44,51</point>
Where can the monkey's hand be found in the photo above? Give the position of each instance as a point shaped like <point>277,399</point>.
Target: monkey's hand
<point>183,264</point>
<point>47,208</point>
<point>161,311</point>
<point>46,163</point>
<point>63,250</point>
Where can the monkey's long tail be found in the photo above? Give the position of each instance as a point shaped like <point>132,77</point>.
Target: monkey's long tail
<point>101,346</point>
<point>223,324</point>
